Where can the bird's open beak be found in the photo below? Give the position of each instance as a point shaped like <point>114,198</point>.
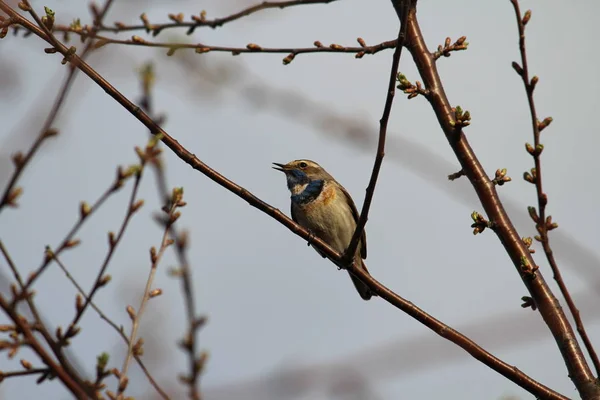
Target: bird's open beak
<point>280,167</point>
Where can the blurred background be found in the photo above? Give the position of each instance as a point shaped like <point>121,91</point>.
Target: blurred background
<point>283,323</point>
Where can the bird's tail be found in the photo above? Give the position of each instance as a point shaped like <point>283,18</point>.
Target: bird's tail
<point>362,289</point>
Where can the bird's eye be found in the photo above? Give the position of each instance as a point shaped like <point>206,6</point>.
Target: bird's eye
<point>303,164</point>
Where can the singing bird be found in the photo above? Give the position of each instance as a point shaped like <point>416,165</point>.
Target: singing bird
<point>321,205</point>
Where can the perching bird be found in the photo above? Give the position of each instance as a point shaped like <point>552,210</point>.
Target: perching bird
<point>321,205</point>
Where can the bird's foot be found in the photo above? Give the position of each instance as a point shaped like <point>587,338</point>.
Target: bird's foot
<point>310,238</point>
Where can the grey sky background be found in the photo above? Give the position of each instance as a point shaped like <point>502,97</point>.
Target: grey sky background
<point>283,322</point>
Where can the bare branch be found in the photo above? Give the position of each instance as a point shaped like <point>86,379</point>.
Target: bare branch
<point>291,52</point>
<point>547,303</point>
<point>133,348</point>
<point>190,346</point>
<point>114,240</point>
<point>383,122</point>
<point>85,212</point>
<point>543,223</point>
<point>76,387</point>
<point>110,322</point>
<point>21,161</point>
<point>201,21</point>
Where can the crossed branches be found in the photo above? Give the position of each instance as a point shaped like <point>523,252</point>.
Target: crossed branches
<point>452,121</point>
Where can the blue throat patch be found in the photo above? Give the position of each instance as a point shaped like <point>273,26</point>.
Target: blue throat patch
<point>311,192</point>
<point>296,177</point>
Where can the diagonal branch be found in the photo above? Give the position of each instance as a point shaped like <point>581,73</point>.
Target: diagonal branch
<point>510,372</point>
<point>383,123</point>
<point>110,322</point>
<point>547,303</point>
<point>114,240</point>
<point>202,21</point>
<point>66,378</point>
<point>543,224</point>
<point>148,293</point>
<point>46,132</point>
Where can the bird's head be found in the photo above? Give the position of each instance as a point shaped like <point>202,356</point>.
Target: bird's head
<point>300,173</point>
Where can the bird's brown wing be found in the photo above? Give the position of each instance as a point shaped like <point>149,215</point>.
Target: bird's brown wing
<point>363,239</point>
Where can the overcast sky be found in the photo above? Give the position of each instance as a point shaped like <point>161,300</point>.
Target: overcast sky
<point>283,322</point>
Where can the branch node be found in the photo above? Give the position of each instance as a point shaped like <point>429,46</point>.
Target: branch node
<point>480,223</point>
<point>454,176</point>
<point>528,302</point>
<point>447,49</point>
<point>501,178</point>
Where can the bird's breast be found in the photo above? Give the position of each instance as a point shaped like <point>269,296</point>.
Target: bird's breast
<point>328,216</point>
<point>328,195</point>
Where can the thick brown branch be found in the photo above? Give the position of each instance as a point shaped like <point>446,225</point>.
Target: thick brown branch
<point>548,305</point>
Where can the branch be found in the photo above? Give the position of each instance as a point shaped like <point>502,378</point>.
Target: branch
<point>175,199</point>
<point>479,353</point>
<point>200,21</point>
<point>85,212</point>
<point>189,344</point>
<point>383,122</point>
<point>23,293</point>
<point>25,372</point>
<point>135,346</point>
<point>110,322</point>
<point>544,224</point>
<point>113,242</point>
<point>10,192</point>
<point>201,48</point>
<point>547,304</point>
<point>510,372</point>
<point>75,387</point>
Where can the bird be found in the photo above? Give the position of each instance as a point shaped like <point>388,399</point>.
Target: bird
<point>322,206</point>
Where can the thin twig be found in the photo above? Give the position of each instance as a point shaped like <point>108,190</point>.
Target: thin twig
<point>86,212</point>
<point>110,322</point>
<point>46,132</point>
<point>202,21</point>
<point>189,343</point>
<point>543,224</point>
<point>170,200</point>
<point>12,266</point>
<point>156,257</point>
<point>79,390</point>
<point>291,52</point>
<point>114,241</point>
<point>26,372</point>
<point>383,123</point>
<point>40,325</point>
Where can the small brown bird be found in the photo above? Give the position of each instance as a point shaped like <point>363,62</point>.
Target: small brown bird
<point>321,205</point>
